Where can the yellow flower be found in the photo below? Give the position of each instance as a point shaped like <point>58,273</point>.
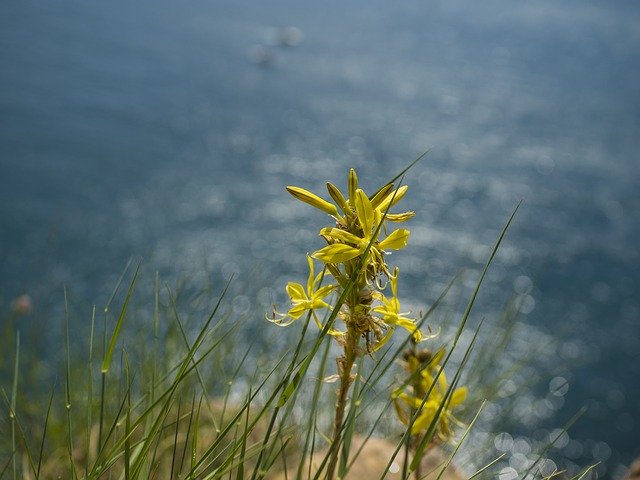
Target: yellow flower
<point>437,396</point>
<point>390,311</point>
<point>303,300</point>
<point>348,245</point>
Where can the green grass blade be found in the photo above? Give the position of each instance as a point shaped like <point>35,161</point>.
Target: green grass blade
<point>89,391</point>
<point>174,307</point>
<point>467,312</point>
<point>194,441</point>
<point>156,324</point>
<point>408,167</point>
<point>186,438</point>
<point>14,416</point>
<point>8,464</point>
<point>183,370</point>
<point>459,444</point>
<point>175,440</point>
<point>313,408</point>
<point>44,434</point>
<point>243,450</point>
<point>114,337</point>
<point>567,426</point>
<point>127,424</point>
<point>487,466</point>
<point>585,472</point>
<point>12,404</point>
<point>70,447</point>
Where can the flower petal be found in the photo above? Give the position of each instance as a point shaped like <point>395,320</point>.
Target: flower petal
<point>380,195</point>
<point>282,320</point>
<point>295,291</point>
<point>353,186</point>
<point>459,396</point>
<point>425,418</point>
<point>341,235</point>
<point>312,199</point>
<point>336,253</point>
<point>392,198</point>
<point>296,311</point>
<point>311,279</point>
<point>365,212</point>
<point>410,326</point>
<point>324,291</point>
<point>380,343</point>
<point>394,282</point>
<point>396,240</point>
<point>400,217</point>
<point>337,196</point>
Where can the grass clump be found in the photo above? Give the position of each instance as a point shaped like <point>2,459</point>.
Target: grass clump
<point>164,396</point>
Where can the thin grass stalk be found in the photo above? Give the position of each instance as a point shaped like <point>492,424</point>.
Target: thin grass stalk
<point>127,424</point>
<point>278,453</point>
<point>487,466</point>
<point>472,300</point>
<point>243,450</point>
<point>313,408</point>
<point>8,464</point>
<point>194,441</point>
<point>70,447</point>
<point>586,471</point>
<point>186,439</point>
<point>228,387</point>
<point>289,387</point>
<point>175,440</point>
<point>238,415</point>
<point>566,427</point>
<point>89,392</point>
<point>182,372</point>
<point>459,444</point>
<point>12,404</point>
<point>20,430</point>
<point>103,454</point>
<point>106,363</point>
<point>174,307</point>
<point>44,434</point>
<point>156,323</point>
<point>104,350</point>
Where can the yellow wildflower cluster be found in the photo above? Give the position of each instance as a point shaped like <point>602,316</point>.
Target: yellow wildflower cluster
<point>427,380</point>
<point>355,249</point>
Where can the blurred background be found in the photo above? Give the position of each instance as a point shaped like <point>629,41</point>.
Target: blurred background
<point>167,131</point>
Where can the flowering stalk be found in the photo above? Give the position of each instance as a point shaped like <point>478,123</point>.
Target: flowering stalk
<point>354,254</point>
<point>424,398</point>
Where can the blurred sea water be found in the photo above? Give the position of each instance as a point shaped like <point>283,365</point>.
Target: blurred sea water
<point>169,130</point>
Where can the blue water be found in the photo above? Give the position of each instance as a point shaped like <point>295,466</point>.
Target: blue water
<point>149,129</point>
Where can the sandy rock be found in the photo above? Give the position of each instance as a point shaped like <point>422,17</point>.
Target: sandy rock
<point>634,470</point>
<point>373,459</point>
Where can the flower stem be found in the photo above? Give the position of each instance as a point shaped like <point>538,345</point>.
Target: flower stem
<point>345,364</point>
